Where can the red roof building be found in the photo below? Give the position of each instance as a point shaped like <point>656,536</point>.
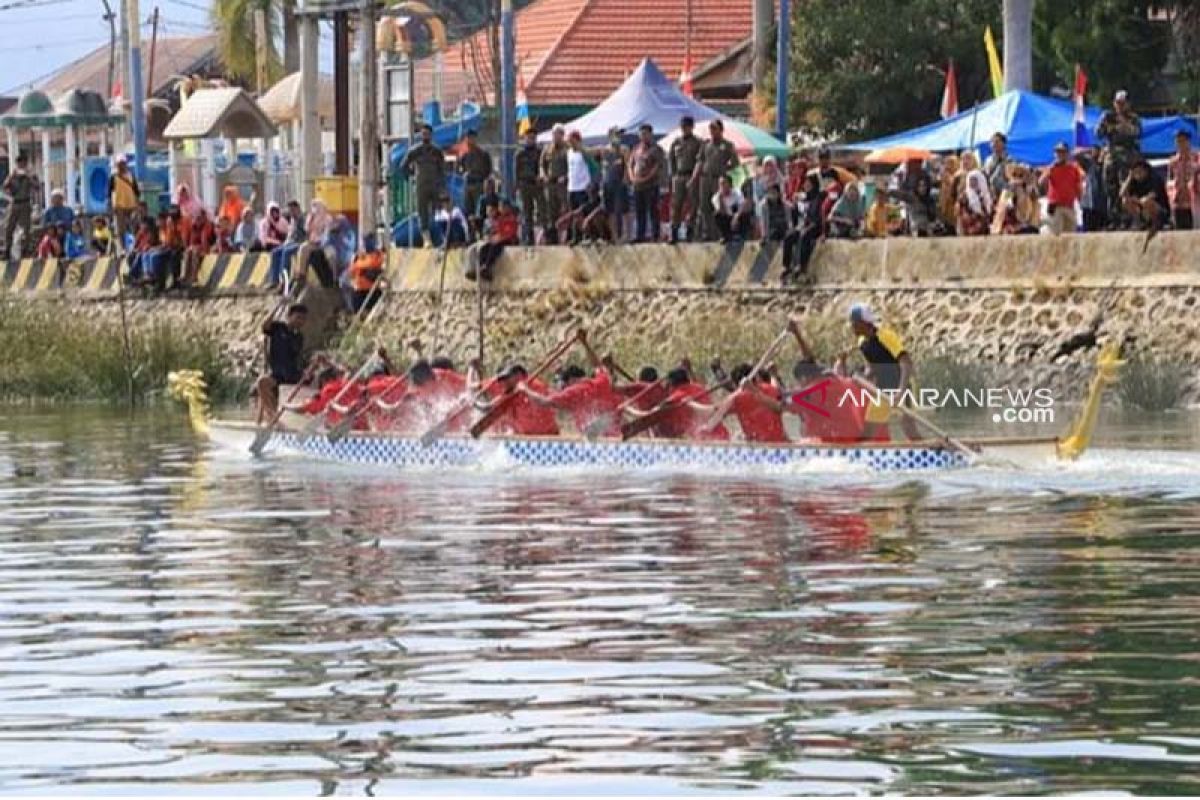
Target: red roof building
<point>573,53</point>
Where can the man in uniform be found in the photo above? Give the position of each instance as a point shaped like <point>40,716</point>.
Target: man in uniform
<point>20,185</point>
<point>717,158</point>
<point>1122,130</point>
<point>685,152</point>
<point>475,164</point>
<point>125,196</point>
<point>554,172</point>
<point>529,187</point>
<point>427,163</point>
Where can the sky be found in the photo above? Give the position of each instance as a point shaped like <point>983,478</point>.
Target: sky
<point>42,36</point>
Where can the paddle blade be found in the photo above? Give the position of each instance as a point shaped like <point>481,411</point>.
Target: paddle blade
<point>489,419</point>
<point>261,438</point>
<point>634,427</point>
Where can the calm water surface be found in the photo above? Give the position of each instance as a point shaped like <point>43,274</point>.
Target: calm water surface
<point>172,622</point>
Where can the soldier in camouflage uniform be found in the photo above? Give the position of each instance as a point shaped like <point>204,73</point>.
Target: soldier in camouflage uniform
<point>718,157</point>
<point>685,153</point>
<point>428,164</point>
<point>554,173</point>
<point>1122,130</point>
<point>529,187</point>
<point>475,165</point>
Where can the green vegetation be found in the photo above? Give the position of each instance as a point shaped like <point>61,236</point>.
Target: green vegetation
<point>1151,385</point>
<point>947,373</point>
<point>53,353</point>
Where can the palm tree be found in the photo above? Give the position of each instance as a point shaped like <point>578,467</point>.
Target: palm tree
<point>1018,45</point>
<point>234,23</point>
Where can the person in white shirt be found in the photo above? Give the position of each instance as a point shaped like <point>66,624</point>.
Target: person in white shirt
<point>727,208</point>
<point>579,178</point>
<point>449,227</point>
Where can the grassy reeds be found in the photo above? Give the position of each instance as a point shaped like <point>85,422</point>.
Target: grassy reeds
<point>1152,385</point>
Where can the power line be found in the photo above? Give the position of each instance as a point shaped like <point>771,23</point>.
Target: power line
<point>22,4</point>
<point>53,45</point>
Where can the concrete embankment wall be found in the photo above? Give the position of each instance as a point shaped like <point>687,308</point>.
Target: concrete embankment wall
<point>1026,310</point>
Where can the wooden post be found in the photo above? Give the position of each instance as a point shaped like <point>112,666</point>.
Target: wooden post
<point>310,120</point>
<point>368,123</point>
<point>260,51</point>
<point>153,51</point>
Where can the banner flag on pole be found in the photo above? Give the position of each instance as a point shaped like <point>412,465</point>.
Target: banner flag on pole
<point>950,94</point>
<point>1078,95</point>
<point>994,68</point>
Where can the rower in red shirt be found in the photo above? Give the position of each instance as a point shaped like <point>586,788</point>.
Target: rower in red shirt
<point>758,421</point>
<point>587,399</point>
<point>333,399</point>
<point>682,419</point>
<point>428,395</point>
<point>521,417</point>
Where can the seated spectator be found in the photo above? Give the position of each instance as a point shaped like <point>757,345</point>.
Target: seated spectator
<point>364,273</point>
<point>773,215</point>
<point>808,227</point>
<point>920,209</point>
<point>502,228</point>
<point>75,246</point>
<point>145,241</point>
<point>163,260</point>
<point>282,256</point>
<point>879,218</point>
<point>1062,183</point>
<point>101,236</point>
<point>245,236</point>
<point>201,242</point>
<point>596,225</point>
<point>225,243</point>
<point>273,230</point>
<point>232,206</point>
<point>1017,210</point>
<point>770,175</point>
<point>1144,197</point>
<point>58,213</point>
<point>796,172</point>
<point>50,246</point>
<point>449,227</point>
<point>727,206</point>
<point>975,205</point>
<point>846,216</point>
<point>489,198</point>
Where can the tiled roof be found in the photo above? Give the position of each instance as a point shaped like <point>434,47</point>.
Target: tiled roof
<point>174,56</point>
<point>576,52</point>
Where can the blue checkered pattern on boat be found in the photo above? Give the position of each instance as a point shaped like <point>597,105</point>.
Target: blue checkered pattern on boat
<point>453,452</point>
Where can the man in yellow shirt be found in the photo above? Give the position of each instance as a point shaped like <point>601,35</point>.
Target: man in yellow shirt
<point>889,367</point>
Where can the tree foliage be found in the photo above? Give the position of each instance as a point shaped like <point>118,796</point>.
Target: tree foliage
<point>868,67</point>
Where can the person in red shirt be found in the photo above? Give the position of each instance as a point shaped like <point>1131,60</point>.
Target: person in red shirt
<point>333,399</point>
<point>413,403</point>
<point>521,416</point>
<point>504,228</point>
<point>827,403</point>
<point>759,421</point>
<point>50,246</point>
<point>591,401</point>
<point>1062,183</point>
<point>202,238</point>
<point>680,415</point>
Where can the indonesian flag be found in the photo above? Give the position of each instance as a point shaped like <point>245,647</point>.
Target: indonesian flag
<point>950,94</point>
<point>524,123</point>
<point>1078,95</point>
<point>685,75</point>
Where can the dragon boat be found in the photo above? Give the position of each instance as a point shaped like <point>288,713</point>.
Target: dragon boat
<point>450,451</point>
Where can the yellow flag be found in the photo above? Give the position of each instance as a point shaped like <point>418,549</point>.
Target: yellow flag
<point>997,73</point>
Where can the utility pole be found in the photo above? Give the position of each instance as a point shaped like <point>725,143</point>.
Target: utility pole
<point>137,94</point>
<point>260,51</point>
<point>368,123</point>
<point>110,18</point>
<point>508,96</point>
<point>341,92</point>
<point>153,52</point>
<point>782,47</point>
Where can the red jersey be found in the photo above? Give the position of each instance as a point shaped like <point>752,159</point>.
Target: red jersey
<point>319,404</point>
<point>758,422</point>
<point>522,416</point>
<point>590,399</point>
<point>1064,185</point>
<point>830,410</point>
<point>685,422</point>
<point>655,393</point>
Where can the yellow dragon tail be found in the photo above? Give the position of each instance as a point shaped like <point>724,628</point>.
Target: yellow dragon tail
<point>1108,367</point>
<point>188,387</point>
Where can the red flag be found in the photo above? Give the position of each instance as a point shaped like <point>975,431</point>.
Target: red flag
<point>950,94</point>
<point>1079,95</point>
<point>685,76</point>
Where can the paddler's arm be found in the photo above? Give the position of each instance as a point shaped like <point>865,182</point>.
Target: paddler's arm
<point>806,352</point>
<point>536,396</point>
<point>766,400</point>
<point>383,405</point>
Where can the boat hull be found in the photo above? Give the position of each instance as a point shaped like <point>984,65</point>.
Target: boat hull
<point>458,451</point>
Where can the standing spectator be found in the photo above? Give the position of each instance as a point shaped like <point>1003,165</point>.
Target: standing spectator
<point>1184,171</point>
<point>996,166</point>
<point>718,158</point>
<point>846,216</point>
<point>1122,130</point>
<point>529,187</point>
<point>245,236</point>
<point>579,179</point>
<point>949,187</point>
<point>232,206</point>
<point>58,212</point>
<point>50,246</point>
<point>124,196</point>
<point>1144,197</point>
<point>682,161</point>
<point>75,245</point>
<point>20,186</point>
<point>503,231</point>
<point>1018,210</point>
<point>615,189</point>
<point>273,230</point>
<point>975,205</point>
<point>773,215</point>
<point>1062,183</point>
<point>1093,201</point>
<point>427,163</point>
<point>646,166</point>
<point>554,173</point>
<point>475,165</point>
<point>727,211</point>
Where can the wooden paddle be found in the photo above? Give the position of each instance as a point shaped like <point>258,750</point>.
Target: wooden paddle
<point>600,424</point>
<point>264,434</point>
<point>438,430</point>
<point>636,426</point>
<point>720,411</point>
<point>920,419</point>
<point>501,405</point>
<point>354,379</point>
<point>343,425</point>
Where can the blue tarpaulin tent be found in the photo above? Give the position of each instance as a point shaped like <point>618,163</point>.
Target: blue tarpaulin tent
<point>646,96</point>
<point>1033,124</point>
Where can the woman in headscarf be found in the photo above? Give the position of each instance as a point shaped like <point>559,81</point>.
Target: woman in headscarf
<point>948,190</point>
<point>245,236</point>
<point>318,221</point>
<point>232,206</point>
<point>770,175</point>
<point>274,228</point>
<point>975,205</point>
<point>189,206</point>
<point>1017,210</point>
